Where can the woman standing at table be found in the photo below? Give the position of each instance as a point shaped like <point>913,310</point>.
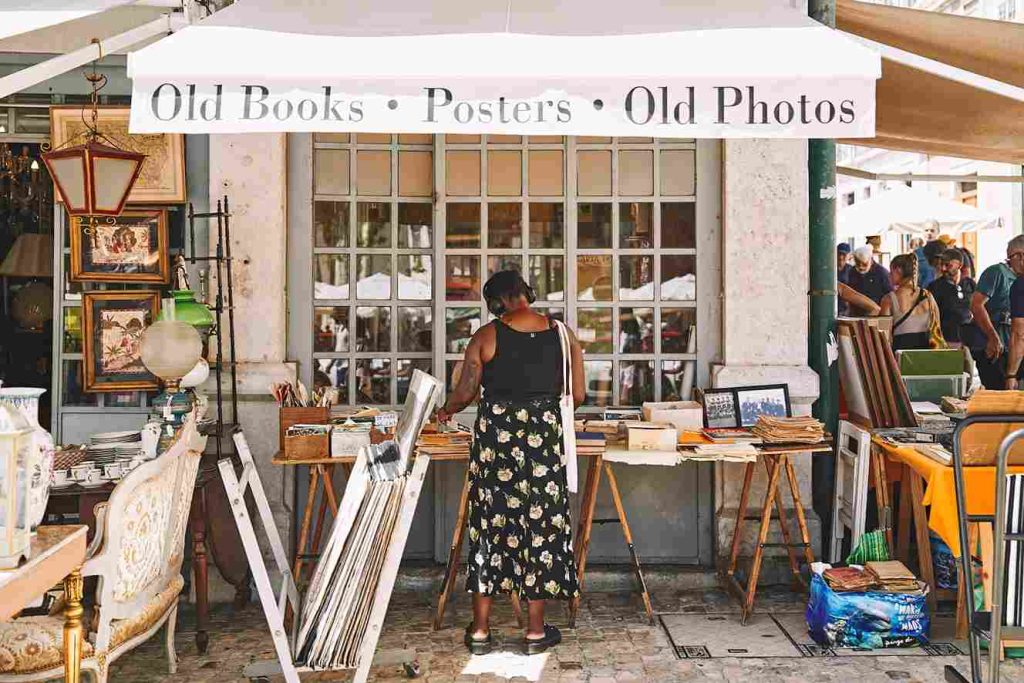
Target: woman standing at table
<point>914,312</point>
<point>520,536</point>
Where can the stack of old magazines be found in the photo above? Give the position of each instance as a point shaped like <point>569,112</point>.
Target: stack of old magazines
<point>789,430</point>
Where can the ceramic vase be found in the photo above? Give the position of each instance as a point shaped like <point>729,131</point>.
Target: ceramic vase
<point>26,400</point>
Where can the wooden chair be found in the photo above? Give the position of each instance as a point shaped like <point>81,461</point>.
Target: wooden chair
<point>137,554</point>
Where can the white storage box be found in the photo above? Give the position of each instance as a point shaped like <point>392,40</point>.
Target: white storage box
<point>682,415</point>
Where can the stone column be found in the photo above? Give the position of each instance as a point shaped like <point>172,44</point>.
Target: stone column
<point>764,299</point>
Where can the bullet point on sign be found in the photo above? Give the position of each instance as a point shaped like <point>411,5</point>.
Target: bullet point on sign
<point>598,104</point>
<point>392,104</point>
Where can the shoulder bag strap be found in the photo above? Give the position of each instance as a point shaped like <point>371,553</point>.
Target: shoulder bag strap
<point>563,338</point>
<point>920,297</point>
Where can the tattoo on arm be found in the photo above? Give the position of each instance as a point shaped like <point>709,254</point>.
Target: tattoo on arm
<point>468,385</point>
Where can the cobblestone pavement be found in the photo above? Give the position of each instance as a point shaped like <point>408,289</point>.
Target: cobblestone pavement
<point>612,642</point>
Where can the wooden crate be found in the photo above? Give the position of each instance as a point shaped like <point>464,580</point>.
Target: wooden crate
<point>295,416</point>
<point>307,447</point>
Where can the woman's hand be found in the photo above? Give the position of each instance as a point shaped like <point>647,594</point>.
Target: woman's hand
<point>442,416</point>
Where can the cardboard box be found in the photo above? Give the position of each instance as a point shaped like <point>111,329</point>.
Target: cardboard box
<point>650,436</point>
<point>682,415</point>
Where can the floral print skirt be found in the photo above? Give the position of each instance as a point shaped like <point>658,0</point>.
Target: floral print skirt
<point>520,537</point>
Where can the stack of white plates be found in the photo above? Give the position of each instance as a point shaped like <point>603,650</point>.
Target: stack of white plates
<point>110,438</point>
<point>102,455</point>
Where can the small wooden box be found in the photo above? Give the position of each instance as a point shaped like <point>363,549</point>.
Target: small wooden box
<point>294,416</point>
<point>307,447</point>
<point>648,436</point>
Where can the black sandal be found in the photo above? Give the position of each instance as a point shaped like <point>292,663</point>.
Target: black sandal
<point>478,646</point>
<point>552,637</point>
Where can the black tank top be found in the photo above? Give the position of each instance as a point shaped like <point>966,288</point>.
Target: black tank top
<point>526,365</point>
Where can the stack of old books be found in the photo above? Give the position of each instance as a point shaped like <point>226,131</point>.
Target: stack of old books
<point>590,443</point>
<point>789,430</point>
<point>892,576</point>
<point>445,443</point>
<point>847,579</point>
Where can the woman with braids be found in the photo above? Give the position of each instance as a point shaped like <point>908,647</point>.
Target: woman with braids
<point>914,311</point>
<point>519,528</point>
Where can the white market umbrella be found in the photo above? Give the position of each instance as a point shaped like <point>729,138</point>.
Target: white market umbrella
<point>911,211</point>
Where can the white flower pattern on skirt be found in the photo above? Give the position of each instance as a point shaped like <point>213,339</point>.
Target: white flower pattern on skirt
<point>520,536</point>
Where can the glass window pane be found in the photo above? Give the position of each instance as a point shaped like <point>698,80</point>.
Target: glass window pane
<point>462,172</point>
<point>415,226</point>
<point>373,276</point>
<point>636,330</point>
<point>547,225</point>
<point>415,277</point>
<point>123,399</point>
<point>678,172</point>
<point>594,173</point>
<point>547,275</point>
<point>462,139</point>
<point>636,278</point>
<point>415,139</point>
<point>636,173</point>
<point>333,372</point>
<point>504,173</point>
<point>452,371</point>
<point>330,171</point>
<point>499,262</point>
<point>404,376</point>
<point>330,137</point>
<point>553,313</point>
<point>463,230</point>
<point>373,138</point>
<point>635,141</point>
<point>679,225</point>
<point>505,139</point>
<point>547,173</point>
<point>462,278</point>
<point>73,386</point>
<point>598,375</point>
<point>415,328</point>
<point>373,381</point>
<point>330,276</point>
<point>373,224</point>
<point>373,172</point>
<point>373,328</point>
<point>678,278</point>
<point>636,382</point>
<point>592,140</point>
<point>504,225</point>
<point>677,379</point>
<point>330,224</point>
<point>595,329</point>
<point>636,225</point>
<point>594,278</point>
<point>594,226</point>
<point>460,323</point>
<point>679,330</point>
<point>415,173</point>
<point>544,139</point>
<point>330,329</point>
<point>72,329</point>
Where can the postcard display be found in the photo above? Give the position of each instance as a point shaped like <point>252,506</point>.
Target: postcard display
<point>339,621</point>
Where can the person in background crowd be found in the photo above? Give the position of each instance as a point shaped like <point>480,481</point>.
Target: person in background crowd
<point>1016,353</point>
<point>989,335</point>
<point>952,293</point>
<point>912,307</point>
<point>869,277</point>
<point>843,270</point>
<point>925,271</point>
<point>932,252</point>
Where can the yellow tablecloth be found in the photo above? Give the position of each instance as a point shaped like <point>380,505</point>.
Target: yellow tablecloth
<point>940,491</point>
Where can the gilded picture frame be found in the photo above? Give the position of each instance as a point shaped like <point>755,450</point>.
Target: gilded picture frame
<point>111,339</point>
<point>162,179</point>
<point>132,247</point>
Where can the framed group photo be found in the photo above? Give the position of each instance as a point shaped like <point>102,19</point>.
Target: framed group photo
<point>739,407</point>
<point>132,247</point>
<point>112,336</point>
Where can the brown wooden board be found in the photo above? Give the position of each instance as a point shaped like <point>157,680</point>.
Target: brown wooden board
<point>875,374</point>
<point>879,343</point>
<point>858,331</point>
<point>902,396</point>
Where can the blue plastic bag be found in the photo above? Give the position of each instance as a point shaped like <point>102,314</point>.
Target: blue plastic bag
<point>866,620</point>
<point>943,561</point>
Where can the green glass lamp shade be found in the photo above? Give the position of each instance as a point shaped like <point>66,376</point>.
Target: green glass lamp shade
<point>187,309</point>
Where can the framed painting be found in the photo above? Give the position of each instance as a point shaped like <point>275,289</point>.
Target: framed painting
<point>720,409</point>
<point>111,340</point>
<point>162,179</point>
<point>753,402</point>
<point>129,248</point>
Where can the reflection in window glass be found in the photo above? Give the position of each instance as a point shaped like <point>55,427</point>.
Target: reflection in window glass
<point>373,381</point>
<point>333,372</point>
<point>499,262</point>
<point>403,377</point>
<point>594,330</point>
<point>553,313</point>
<point>636,225</point>
<point>547,225</point>
<point>463,229</point>
<point>123,399</point>
<point>73,385</point>
<point>415,226</point>
<point>594,226</point>
<point>330,276</point>
<point>330,329</point>
<point>415,277</point>
<point>636,382</point>
<point>373,328</point>
<point>636,330</point>
<point>330,224</point>
<point>504,225</point>
<point>373,224</point>
<point>415,328</point>
<point>679,225</point>
<point>547,275</point>
<point>636,278</point>
<point>598,375</point>
<point>73,329</point>
<point>679,330</point>
<point>460,323</point>
<point>678,278</point>
<point>677,379</point>
<point>462,278</point>
<point>373,276</point>
<point>594,278</point>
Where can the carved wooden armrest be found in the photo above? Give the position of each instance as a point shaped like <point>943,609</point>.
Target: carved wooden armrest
<point>100,510</point>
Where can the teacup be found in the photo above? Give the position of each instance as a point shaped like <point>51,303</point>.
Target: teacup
<point>62,478</point>
<point>78,472</point>
<point>93,477</point>
<point>112,470</point>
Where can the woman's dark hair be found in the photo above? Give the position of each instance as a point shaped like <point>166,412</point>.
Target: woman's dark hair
<point>506,284</point>
<point>906,266</point>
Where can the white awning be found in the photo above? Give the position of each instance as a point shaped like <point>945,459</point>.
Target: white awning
<point>741,68</point>
<point>911,211</point>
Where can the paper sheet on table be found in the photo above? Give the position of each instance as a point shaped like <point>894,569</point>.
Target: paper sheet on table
<point>925,407</point>
<point>626,457</point>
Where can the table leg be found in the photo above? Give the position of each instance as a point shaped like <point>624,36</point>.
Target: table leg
<point>924,548</point>
<point>307,519</point>
<point>617,499</point>
<point>73,626</point>
<point>454,552</point>
<point>798,505</point>
<point>902,550</point>
<point>327,479</point>
<point>882,494</point>
<point>200,568</point>
<point>741,514</point>
<point>586,524</point>
<point>762,536</point>
<point>780,505</point>
<point>326,475</point>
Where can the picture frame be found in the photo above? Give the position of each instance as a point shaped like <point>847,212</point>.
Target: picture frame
<point>162,178</point>
<point>112,329</point>
<point>132,247</point>
<point>720,408</point>
<point>755,401</point>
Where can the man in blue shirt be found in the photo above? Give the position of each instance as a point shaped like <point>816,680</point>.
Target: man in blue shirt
<point>925,272</point>
<point>868,277</point>
<point>989,336</point>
